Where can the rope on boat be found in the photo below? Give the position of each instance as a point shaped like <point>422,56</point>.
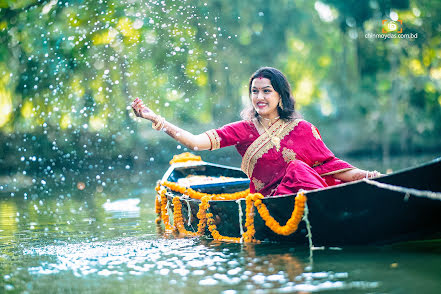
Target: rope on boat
<point>308,228</point>
<point>189,211</point>
<point>168,208</point>
<point>407,191</point>
<point>240,216</point>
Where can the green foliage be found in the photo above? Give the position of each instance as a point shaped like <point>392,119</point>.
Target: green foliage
<point>70,65</point>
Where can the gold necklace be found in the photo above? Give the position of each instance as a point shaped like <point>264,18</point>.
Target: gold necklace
<point>274,139</point>
<point>268,119</point>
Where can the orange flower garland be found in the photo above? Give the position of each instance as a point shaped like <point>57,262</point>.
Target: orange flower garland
<point>215,233</point>
<point>207,218</point>
<point>202,214</point>
<point>178,220</point>
<point>293,222</point>
<point>199,195</point>
<point>248,236</point>
<point>184,157</point>
<point>158,204</point>
<point>158,210</point>
<point>164,213</point>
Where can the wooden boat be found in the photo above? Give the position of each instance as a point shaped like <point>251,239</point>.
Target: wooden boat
<point>356,213</point>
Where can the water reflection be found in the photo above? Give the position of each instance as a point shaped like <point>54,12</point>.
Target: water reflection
<point>126,255</point>
<point>123,207</point>
<point>206,263</point>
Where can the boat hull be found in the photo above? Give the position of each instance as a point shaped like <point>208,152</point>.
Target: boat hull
<point>354,213</point>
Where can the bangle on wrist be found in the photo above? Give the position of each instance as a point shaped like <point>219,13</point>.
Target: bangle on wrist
<point>159,124</point>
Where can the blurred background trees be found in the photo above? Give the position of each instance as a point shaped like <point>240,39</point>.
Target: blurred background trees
<point>69,69</point>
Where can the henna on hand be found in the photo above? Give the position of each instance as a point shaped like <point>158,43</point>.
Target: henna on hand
<point>198,142</point>
<point>143,111</point>
<point>358,175</point>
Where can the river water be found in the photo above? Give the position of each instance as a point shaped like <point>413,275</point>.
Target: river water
<point>103,239</point>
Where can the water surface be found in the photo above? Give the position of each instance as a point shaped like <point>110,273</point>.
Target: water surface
<point>104,240</point>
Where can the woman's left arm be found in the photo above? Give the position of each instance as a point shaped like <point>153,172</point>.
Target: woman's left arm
<point>356,174</point>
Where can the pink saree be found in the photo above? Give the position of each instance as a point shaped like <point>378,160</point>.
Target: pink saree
<point>298,159</point>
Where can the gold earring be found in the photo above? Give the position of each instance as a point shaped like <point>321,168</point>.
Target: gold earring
<point>280,104</point>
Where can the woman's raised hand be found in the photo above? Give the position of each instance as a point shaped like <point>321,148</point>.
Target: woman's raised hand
<point>198,142</point>
<point>143,111</point>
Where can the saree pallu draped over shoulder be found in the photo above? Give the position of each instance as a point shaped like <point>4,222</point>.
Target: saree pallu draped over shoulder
<point>289,157</point>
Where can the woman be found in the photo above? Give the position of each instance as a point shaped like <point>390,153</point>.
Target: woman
<point>281,152</point>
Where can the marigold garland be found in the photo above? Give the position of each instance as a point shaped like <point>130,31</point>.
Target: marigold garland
<point>202,214</point>
<point>178,219</point>
<point>158,204</point>
<point>158,210</point>
<point>248,235</point>
<point>199,195</point>
<point>206,219</point>
<point>215,233</point>
<point>293,222</point>
<point>164,213</point>
<point>184,157</point>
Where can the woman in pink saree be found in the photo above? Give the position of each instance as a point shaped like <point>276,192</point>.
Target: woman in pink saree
<point>281,153</point>
<point>300,161</point>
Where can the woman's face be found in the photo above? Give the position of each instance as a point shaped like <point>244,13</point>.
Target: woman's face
<point>264,98</point>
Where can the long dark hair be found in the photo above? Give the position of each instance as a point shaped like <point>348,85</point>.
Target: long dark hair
<point>281,86</point>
